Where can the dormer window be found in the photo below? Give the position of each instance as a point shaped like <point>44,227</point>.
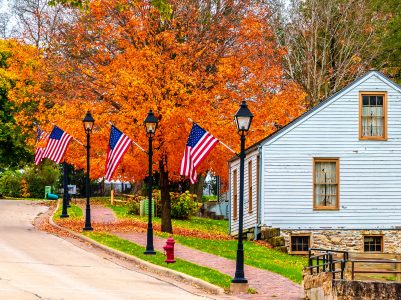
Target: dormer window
<point>373,116</point>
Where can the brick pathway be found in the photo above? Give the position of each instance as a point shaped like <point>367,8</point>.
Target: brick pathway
<point>99,213</point>
<point>268,285</point>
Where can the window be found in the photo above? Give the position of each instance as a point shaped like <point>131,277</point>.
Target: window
<point>235,195</point>
<point>373,243</point>
<point>250,183</point>
<point>300,244</point>
<point>373,116</point>
<point>325,184</point>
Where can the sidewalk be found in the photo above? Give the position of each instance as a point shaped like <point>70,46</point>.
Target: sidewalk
<point>268,285</point>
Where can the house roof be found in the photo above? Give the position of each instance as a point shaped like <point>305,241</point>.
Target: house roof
<point>314,109</point>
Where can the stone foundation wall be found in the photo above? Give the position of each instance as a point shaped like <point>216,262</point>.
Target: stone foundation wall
<point>322,287</point>
<point>317,286</point>
<point>347,240</point>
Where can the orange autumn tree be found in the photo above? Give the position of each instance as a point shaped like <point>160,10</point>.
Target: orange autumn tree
<point>20,68</point>
<point>195,60</point>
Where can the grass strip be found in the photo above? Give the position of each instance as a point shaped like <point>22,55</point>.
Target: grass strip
<point>74,212</point>
<point>206,274</point>
<point>201,224</point>
<point>254,255</point>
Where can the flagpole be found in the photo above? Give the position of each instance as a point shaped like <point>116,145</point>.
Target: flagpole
<point>219,140</point>
<point>131,139</point>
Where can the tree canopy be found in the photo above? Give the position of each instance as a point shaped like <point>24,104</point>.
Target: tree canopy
<point>17,62</point>
<point>121,58</point>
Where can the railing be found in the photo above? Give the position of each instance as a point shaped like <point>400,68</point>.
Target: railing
<point>326,263</point>
<point>378,261</point>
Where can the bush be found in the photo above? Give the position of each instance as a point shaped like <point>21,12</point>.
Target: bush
<point>133,205</point>
<point>37,179</point>
<point>10,183</point>
<point>183,205</point>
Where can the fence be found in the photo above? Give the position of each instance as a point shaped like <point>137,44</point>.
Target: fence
<point>327,261</point>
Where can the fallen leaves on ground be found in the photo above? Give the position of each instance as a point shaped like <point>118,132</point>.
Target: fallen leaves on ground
<point>132,225</point>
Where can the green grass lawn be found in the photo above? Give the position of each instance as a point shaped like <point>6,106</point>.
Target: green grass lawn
<point>254,255</point>
<point>201,224</point>
<point>74,212</point>
<point>206,274</point>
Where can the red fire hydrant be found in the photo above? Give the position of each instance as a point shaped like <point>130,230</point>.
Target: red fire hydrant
<point>169,250</point>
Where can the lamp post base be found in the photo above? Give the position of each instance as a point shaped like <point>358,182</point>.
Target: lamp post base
<point>64,216</point>
<point>239,287</point>
<point>87,229</point>
<point>151,252</point>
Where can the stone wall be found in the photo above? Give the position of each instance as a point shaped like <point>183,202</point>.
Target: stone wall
<point>322,287</point>
<point>317,286</point>
<point>347,240</point>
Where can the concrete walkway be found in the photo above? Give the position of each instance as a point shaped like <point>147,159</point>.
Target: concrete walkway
<point>268,285</point>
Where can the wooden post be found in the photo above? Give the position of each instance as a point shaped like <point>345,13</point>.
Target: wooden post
<point>398,267</point>
<point>352,270</point>
<point>112,197</point>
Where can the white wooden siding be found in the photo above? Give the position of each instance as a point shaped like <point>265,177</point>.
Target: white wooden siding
<point>370,171</point>
<point>249,218</point>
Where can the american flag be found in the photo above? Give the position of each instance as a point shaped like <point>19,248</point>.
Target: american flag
<point>199,144</point>
<point>39,155</point>
<point>118,145</point>
<point>41,136</point>
<point>57,144</point>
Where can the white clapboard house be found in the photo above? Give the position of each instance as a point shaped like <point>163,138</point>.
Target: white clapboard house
<point>332,177</point>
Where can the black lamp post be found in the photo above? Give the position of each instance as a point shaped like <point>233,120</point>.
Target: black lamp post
<point>243,119</point>
<point>88,126</point>
<point>150,127</point>
<point>64,213</point>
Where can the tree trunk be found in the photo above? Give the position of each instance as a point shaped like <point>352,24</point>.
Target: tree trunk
<point>165,196</point>
<point>197,188</point>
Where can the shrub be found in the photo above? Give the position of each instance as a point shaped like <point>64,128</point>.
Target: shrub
<point>37,179</point>
<point>183,205</point>
<point>10,183</point>
<point>133,205</point>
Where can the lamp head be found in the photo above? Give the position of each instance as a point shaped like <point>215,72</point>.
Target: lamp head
<point>243,118</point>
<point>150,124</point>
<point>88,122</point>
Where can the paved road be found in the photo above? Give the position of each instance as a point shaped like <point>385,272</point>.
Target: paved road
<point>37,265</point>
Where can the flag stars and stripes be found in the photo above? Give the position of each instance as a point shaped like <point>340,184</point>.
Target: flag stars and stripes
<point>39,155</point>
<point>199,144</point>
<point>39,152</point>
<point>57,145</point>
<point>42,135</point>
<point>118,145</point>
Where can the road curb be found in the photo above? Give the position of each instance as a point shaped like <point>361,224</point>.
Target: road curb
<point>142,263</point>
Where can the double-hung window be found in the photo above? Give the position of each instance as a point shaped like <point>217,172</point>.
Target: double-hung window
<point>325,183</point>
<point>373,116</point>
